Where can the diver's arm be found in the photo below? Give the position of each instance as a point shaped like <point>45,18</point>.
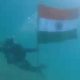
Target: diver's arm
<point>31,50</point>
<point>1,49</point>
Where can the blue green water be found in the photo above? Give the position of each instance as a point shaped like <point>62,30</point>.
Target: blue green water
<point>17,18</point>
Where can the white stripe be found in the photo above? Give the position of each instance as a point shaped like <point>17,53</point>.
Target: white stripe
<point>50,25</point>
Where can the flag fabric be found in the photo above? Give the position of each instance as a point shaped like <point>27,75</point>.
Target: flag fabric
<point>56,25</point>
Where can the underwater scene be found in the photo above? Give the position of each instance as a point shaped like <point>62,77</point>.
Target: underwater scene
<point>39,40</point>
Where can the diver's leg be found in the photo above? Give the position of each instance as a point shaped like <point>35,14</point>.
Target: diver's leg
<point>25,65</point>
<point>10,58</point>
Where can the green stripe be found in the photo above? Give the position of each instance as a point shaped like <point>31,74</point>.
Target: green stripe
<point>47,37</point>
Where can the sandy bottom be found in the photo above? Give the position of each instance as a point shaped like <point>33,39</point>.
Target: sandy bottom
<point>11,72</point>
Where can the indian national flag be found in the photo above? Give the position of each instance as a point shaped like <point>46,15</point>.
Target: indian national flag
<point>56,25</point>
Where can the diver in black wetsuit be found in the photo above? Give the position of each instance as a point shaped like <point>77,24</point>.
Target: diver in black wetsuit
<point>16,53</point>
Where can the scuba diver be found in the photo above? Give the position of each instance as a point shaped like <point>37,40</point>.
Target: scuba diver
<point>16,54</point>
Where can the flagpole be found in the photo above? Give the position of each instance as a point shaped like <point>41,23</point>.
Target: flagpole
<point>37,35</point>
